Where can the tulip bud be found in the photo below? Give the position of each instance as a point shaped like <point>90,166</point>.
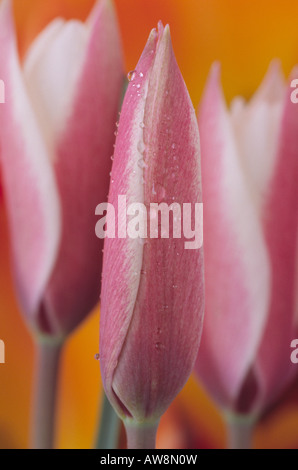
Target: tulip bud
<point>249,169</point>
<point>56,133</point>
<point>151,308</point>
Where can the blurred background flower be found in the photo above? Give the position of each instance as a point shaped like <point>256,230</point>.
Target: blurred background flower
<point>245,37</point>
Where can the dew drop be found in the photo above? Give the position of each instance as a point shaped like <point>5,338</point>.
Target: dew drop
<point>142,125</point>
<point>141,146</point>
<point>138,85</point>
<point>141,74</point>
<point>131,75</point>
<point>173,146</point>
<point>158,331</point>
<point>142,164</point>
<point>96,357</point>
<point>159,346</point>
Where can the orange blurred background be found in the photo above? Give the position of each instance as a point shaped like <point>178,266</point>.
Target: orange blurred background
<point>244,35</point>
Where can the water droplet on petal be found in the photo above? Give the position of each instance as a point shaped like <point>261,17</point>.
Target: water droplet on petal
<point>141,146</point>
<point>159,346</point>
<point>173,146</point>
<point>96,357</point>
<point>142,125</point>
<point>142,164</point>
<point>131,75</point>
<point>141,74</point>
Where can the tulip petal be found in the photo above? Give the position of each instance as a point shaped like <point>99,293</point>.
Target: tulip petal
<point>30,190</point>
<point>237,281</point>
<point>52,68</point>
<point>82,169</point>
<point>273,366</point>
<point>151,312</point>
<point>256,127</point>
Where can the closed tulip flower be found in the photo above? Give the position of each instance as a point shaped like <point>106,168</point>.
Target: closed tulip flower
<point>57,134</point>
<point>151,308</point>
<point>249,172</point>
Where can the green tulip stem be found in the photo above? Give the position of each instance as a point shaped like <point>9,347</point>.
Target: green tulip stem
<point>109,428</point>
<point>240,431</point>
<point>46,378</point>
<point>141,435</point>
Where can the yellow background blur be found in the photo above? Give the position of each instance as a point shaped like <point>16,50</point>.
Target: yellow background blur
<point>245,35</point>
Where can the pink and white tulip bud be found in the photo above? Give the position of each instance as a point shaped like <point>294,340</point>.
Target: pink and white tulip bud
<point>249,174</point>
<point>57,133</point>
<point>151,308</point>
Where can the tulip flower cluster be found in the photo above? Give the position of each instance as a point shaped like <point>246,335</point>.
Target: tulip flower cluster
<point>57,134</point>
